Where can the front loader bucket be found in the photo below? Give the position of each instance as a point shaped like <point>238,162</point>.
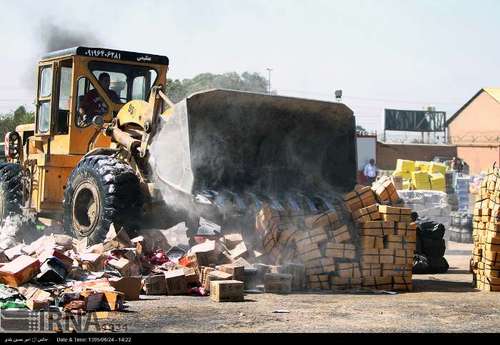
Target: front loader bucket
<point>247,142</point>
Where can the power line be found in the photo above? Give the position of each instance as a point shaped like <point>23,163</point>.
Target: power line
<point>376,99</point>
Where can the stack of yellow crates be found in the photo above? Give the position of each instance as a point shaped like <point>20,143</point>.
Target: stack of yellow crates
<point>420,180</point>
<point>438,182</point>
<point>421,175</point>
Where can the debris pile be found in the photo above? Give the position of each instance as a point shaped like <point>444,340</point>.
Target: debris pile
<point>485,262</point>
<point>363,239</point>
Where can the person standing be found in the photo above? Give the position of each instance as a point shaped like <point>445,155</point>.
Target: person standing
<point>370,171</point>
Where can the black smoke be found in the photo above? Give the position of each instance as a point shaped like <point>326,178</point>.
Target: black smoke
<point>57,37</point>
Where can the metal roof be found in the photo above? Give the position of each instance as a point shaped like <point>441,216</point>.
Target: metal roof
<point>492,91</point>
<point>111,54</point>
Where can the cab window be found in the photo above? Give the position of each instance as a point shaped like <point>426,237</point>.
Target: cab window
<point>44,94</point>
<point>128,82</point>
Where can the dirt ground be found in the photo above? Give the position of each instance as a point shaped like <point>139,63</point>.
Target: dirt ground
<point>440,303</point>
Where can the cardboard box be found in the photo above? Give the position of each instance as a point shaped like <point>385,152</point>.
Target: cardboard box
<point>387,256</point>
<point>14,252</point>
<point>408,230</point>
<point>372,242</point>
<point>318,281</point>
<point>341,283</point>
<point>377,228</point>
<point>231,240</point>
<point>348,270</point>
<point>155,285</point>
<point>366,214</point>
<point>37,299</point>
<point>385,190</point>
<point>238,251</point>
<point>130,286</point>
<point>92,261</point>
<point>377,283</point>
<point>341,235</point>
<point>278,283</point>
<point>396,214</point>
<point>340,250</point>
<point>237,272</point>
<point>176,282</point>
<point>318,235</point>
<point>402,283</point>
<point>19,271</point>
<point>192,278</point>
<point>325,219</point>
<point>122,265</point>
<point>371,270</point>
<point>362,196</point>
<point>403,257</point>
<point>370,256</point>
<point>226,291</point>
<point>214,275</point>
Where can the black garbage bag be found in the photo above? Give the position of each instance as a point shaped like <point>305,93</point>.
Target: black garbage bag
<point>438,265</point>
<point>418,248</point>
<point>429,265</point>
<point>434,248</point>
<point>420,264</point>
<point>431,230</point>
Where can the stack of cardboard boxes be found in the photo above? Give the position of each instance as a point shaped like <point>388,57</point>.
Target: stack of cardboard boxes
<point>368,241</point>
<point>387,240</point>
<point>485,262</point>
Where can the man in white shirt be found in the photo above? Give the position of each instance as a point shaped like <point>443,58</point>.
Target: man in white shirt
<point>370,171</point>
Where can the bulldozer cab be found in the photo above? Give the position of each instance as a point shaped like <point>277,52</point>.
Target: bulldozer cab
<point>76,87</point>
<point>77,84</point>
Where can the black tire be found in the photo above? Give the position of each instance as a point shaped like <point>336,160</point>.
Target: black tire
<point>11,189</point>
<point>101,190</point>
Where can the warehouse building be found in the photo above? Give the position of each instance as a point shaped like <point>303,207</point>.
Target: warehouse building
<point>475,130</point>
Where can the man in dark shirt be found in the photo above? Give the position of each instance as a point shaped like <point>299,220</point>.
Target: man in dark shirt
<point>93,104</point>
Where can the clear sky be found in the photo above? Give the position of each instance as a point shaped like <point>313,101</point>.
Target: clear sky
<point>382,54</point>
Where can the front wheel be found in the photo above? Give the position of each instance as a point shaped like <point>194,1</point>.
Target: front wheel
<point>101,190</point>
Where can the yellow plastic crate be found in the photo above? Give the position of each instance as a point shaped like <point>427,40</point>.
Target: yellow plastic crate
<point>422,166</point>
<point>403,174</point>
<point>405,165</point>
<point>421,180</point>
<point>437,168</point>
<point>438,182</point>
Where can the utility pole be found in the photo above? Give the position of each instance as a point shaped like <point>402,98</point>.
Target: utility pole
<point>269,80</point>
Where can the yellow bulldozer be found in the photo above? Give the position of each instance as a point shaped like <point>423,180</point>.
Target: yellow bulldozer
<point>109,147</point>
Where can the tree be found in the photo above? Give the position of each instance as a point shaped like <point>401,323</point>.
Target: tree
<point>9,121</point>
<point>253,82</point>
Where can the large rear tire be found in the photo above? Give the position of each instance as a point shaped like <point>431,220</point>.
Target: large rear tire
<point>11,189</point>
<point>101,190</point>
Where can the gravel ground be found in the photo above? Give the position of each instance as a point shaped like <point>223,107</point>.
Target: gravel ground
<point>439,303</point>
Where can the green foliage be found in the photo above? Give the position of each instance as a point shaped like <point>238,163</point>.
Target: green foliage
<point>253,82</point>
<point>9,121</point>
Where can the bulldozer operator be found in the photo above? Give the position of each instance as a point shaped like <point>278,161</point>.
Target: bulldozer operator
<point>92,103</point>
